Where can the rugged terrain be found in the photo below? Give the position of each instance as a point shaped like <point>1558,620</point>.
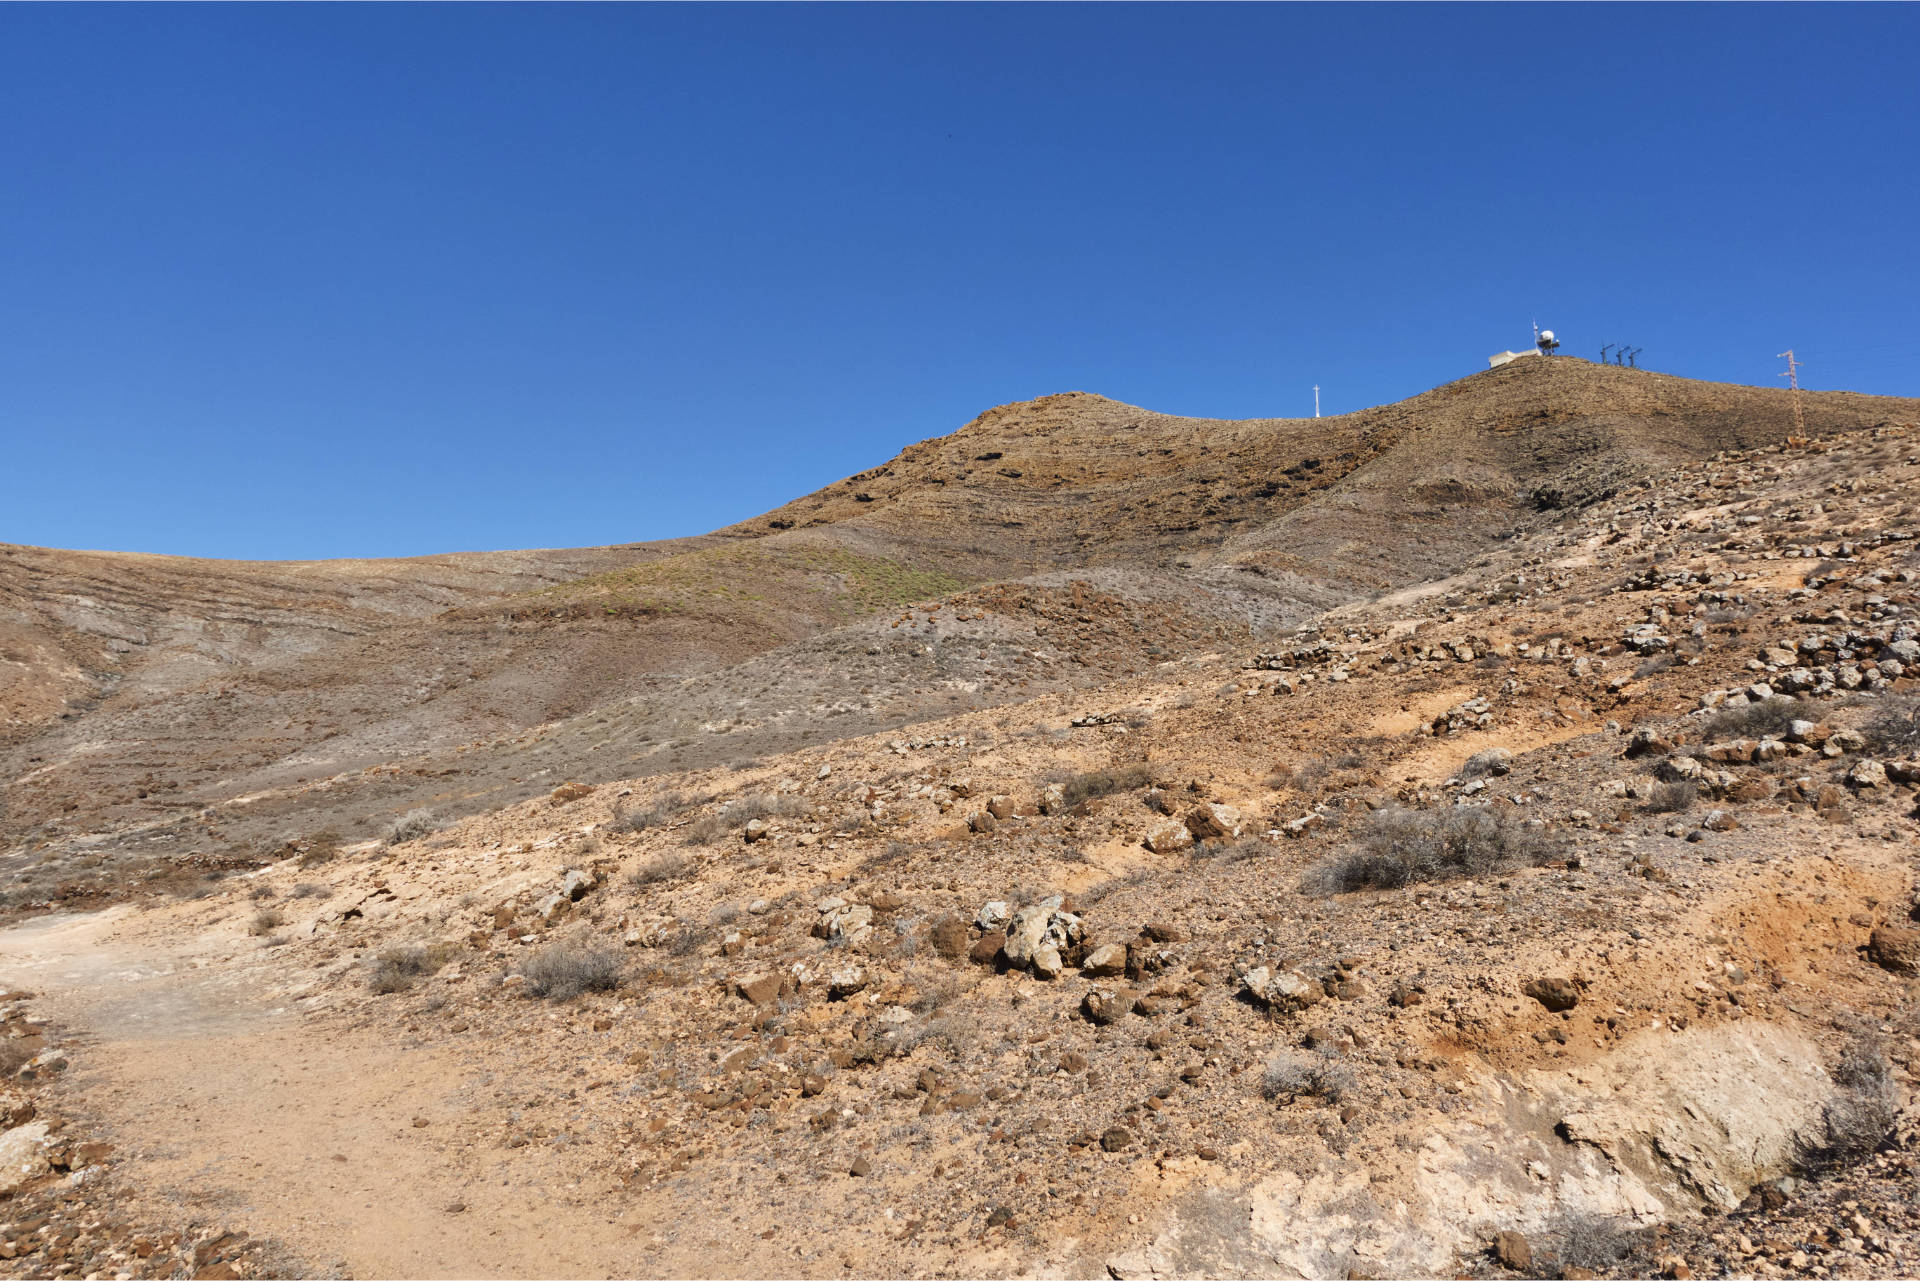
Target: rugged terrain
<point>1471,835</point>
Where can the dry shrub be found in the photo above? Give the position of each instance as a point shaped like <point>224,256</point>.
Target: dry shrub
<point>660,810</point>
<point>321,847</point>
<point>1859,1116</point>
<point>1597,1242</point>
<point>1310,774</point>
<point>1767,718</point>
<point>186,883</point>
<point>14,1054</point>
<point>265,922</point>
<point>737,813</point>
<point>397,968</point>
<point>1483,764</point>
<point>1671,798</point>
<point>1292,1075</point>
<point>307,889</point>
<point>1400,846</point>
<point>412,826</point>
<point>1895,727</point>
<point>570,967</point>
<point>1079,788</point>
<point>658,870</point>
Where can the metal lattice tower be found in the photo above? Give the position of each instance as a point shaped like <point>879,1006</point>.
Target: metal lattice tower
<point>1792,375</point>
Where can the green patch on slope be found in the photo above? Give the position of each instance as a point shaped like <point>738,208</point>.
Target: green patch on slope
<point>830,582</point>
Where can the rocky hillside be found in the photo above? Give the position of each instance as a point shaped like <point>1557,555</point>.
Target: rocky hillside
<point>1554,915</point>
<point>154,705</point>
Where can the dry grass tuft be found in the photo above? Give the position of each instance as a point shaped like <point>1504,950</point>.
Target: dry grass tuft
<point>566,969</point>
<point>1400,846</point>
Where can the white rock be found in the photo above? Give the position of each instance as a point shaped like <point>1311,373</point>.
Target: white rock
<point>23,1156</point>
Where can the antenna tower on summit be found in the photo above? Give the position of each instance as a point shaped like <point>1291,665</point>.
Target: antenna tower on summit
<point>1316,400</point>
<point>1792,375</point>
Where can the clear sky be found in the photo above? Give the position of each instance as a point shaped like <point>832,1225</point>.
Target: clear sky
<point>339,280</point>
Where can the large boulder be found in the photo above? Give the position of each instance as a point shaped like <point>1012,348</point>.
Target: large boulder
<point>23,1156</point>
<point>1556,994</point>
<point>1037,935</point>
<point>1105,961</point>
<point>1105,1005</point>
<point>1895,948</point>
<point>840,919</point>
<point>1214,822</point>
<point>1169,837</point>
<point>1283,990</point>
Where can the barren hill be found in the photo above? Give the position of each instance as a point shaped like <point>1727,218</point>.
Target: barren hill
<point>1476,836</point>
<point>141,690</point>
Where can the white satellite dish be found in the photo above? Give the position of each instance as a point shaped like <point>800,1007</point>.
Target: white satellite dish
<point>1547,335</point>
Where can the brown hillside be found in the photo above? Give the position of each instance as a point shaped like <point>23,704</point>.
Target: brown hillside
<point>141,689</point>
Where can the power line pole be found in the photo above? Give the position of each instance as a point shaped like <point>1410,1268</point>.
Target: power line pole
<point>1792,375</point>
<point>1316,400</point>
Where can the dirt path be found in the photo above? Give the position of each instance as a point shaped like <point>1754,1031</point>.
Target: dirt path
<point>243,1110</point>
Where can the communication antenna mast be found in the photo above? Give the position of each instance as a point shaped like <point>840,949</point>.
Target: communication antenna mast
<point>1630,357</point>
<point>1792,375</point>
<point>1316,400</point>
<point>1604,351</point>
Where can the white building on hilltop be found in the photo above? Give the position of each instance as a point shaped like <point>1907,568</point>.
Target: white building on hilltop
<point>1503,357</point>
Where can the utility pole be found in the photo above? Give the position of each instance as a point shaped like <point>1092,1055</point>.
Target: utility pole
<point>1604,351</point>
<point>1316,400</point>
<point>1792,375</point>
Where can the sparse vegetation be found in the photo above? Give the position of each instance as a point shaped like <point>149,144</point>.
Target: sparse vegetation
<point>638,818</point>
<point>1397,847</point>
<point>565,969</point>
<point>411,826</point>
<point>265,922</point>
<point>399,967</point>
<point>737,813</point>
<point>1079,788</point>
<point>1673,797</point>
<point>1658,663</point>
<point>1482,764</point>
<point>321,847</point>
<point>1293,1074</point>
<point>1596,1242</point>
<point>1895,727</point>
<point>1768,718</point>
<point>658,870</point>
<point>1860,1114</point>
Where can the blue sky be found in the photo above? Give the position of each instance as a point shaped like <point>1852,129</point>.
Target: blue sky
<point>305,281</point>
